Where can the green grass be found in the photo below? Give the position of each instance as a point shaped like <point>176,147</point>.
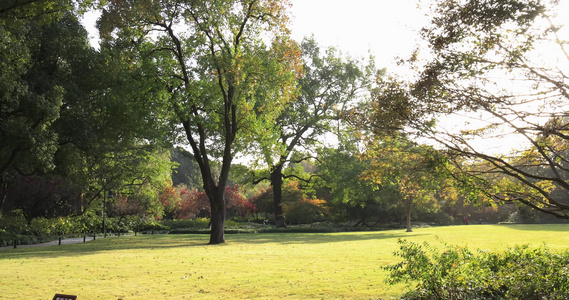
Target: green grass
<point>249,266</point>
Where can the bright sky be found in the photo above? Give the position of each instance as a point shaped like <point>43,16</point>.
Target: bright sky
<point>386,28</point>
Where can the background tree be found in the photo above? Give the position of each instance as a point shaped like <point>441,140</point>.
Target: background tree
<point>64,117</point>
<point>413,170</point>
<point>505,63</point>
<point>330,83</point>
<point>350,196</point>
<point>187,172</point>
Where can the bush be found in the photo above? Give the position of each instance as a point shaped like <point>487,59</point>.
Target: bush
<point>13,222</point>
<point>149,226</point>
<point>305,211</point>
<point>457,273</point>
<point>187,223</point>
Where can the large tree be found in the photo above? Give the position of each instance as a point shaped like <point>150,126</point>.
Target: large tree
<point>503,67</point>
<point>329,85</point>
<point>220,79</point>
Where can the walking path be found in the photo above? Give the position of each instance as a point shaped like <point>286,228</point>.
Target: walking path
<point>52,243</point>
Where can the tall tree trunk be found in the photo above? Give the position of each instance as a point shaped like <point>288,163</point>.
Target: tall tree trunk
<point>215,190</point>
<point>3,191</point>
<point>407,206</point>
<point>217,204</point>
<point>277,183</point>
<point>408,217</point>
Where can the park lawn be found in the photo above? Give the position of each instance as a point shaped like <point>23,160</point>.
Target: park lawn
<point>248,266</point>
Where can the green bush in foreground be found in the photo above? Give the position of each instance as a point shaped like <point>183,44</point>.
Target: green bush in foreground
<point>457,273</point>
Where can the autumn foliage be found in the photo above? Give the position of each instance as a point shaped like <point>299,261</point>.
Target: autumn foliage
<point>181,202</point>
<point>298,208</point>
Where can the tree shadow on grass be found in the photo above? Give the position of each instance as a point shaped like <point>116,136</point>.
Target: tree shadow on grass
<point>539,227</point>
<point>160,242</point>
<point>108,244</point>
<point>323,238</point>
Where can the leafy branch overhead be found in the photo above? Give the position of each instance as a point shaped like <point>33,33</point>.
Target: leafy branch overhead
<point>503,63</point>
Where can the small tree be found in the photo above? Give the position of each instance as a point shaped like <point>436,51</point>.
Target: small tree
<point>237,204</point>
<point>170,198</point>
<point>193,204</point>
<point>305,210</point>
<point>350,196</point>
<point>411,168</point>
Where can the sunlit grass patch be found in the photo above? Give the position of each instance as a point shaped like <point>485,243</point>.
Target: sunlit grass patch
<point>257,266</point>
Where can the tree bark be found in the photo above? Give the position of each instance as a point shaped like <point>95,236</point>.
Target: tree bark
<point>214,191</point>
<point>217,204</point>
<point>277,183</point>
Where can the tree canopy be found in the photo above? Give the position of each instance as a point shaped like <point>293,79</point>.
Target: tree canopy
<point>329,85</point>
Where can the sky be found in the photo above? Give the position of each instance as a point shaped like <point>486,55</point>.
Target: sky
<point>386,28</point>
<point>389,29</point>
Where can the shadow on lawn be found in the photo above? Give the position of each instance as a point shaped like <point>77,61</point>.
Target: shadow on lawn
<point>321,238</point>
<point>159,242</point>
<point>108,244</point>
<point>539,227</point>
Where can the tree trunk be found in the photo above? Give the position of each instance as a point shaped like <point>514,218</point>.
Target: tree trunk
<point>277,183</point>
<point>3,191</point>
<point>408,217</point>
<point>217,204</point>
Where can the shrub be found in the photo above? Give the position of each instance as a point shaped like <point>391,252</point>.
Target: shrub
<point>305,211</point>
<point>188,223</point>
<point>13,222</point>
<point>457,273</point>
<point>149,225</point>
